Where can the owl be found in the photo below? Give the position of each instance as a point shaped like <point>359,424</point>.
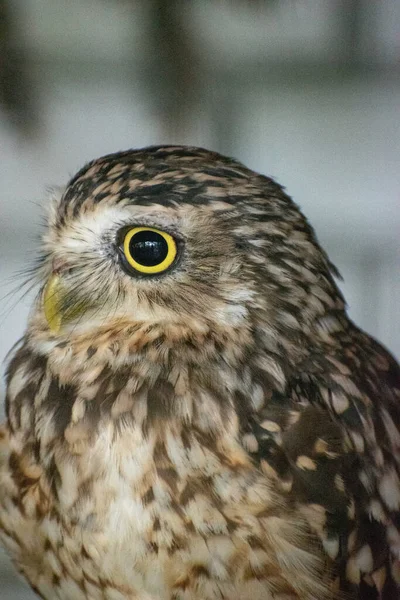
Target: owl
<point>191,414</point>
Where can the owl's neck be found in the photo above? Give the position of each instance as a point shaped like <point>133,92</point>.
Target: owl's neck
<point>142,375</point>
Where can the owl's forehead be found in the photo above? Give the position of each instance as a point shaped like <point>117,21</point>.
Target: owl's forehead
<point>164,176</point>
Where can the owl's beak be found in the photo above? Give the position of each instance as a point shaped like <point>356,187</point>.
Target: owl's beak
<point>60,304</point>
<point>52,302</point>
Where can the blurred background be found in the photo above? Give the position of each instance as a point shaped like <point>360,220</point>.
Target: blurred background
<point>305,91</point>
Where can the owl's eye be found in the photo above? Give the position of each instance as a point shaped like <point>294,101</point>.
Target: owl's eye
<point>148,251</point>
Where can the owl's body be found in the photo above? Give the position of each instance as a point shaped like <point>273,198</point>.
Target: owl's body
<point>212,428</point>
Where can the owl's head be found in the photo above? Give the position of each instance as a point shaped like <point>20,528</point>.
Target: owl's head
<point>180,236</point>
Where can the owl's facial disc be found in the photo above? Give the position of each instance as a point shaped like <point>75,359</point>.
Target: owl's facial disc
<point>138,263</point>
<point>143,252</point>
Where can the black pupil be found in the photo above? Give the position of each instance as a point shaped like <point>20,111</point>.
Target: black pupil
<point>148,248</point>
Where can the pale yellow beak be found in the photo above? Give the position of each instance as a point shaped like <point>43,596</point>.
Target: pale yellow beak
<point>58,305</point>
<point>52,302</point>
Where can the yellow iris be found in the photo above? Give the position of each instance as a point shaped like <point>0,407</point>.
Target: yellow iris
<point>149,250</point>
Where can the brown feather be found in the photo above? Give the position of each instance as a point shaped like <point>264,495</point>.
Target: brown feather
<point>219,431</point>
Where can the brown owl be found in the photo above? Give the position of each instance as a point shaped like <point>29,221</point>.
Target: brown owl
<point>191,415</point>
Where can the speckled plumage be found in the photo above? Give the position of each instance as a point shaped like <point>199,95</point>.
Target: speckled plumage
<point>219,431</point>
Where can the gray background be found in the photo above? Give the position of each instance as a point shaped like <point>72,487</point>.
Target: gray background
<point>305,91</point>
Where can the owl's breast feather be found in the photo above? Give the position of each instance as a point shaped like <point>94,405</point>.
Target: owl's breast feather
<point>158,514</point>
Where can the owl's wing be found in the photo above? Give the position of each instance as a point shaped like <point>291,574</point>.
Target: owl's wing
<point>332,440</point>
